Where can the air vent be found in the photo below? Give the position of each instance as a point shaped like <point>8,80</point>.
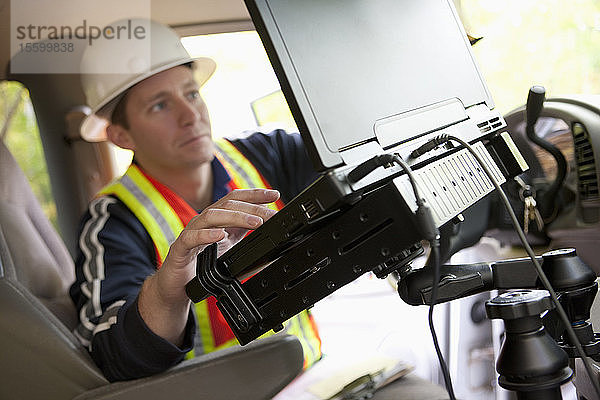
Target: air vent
<point>586,165</point>
<point>487,126</point>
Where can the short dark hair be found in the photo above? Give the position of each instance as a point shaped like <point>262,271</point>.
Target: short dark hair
<point>119,116</point>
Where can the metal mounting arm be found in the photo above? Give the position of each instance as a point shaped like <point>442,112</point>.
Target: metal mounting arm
<point>457,281</point>
<point>564,269</point>
<point>571,278</point>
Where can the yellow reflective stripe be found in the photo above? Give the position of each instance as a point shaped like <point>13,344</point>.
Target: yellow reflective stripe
<point>308,338</point>
<point>158,200</point>
<point>204,327</point>
<point>142,214</point>
<point>237,178</point>
<point>295,329</point>
<point>242,172</point>
<point>190,354</point>
<point>149,206</point>
<point>242,162</point>
<point>207,344</point>
<point>312,340</point>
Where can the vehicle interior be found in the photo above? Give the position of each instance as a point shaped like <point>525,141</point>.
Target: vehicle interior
<point>49,173</point>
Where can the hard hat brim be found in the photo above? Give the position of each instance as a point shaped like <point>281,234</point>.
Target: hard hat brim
<point>93,127</point>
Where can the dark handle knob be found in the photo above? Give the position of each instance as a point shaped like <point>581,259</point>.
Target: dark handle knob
<point>535,103</point>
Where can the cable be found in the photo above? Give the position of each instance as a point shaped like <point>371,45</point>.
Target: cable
<point>382,160</point>
<point>365,168</point>
<point>429,230</point>
<point>435,251</point>
<point>539,270</point>
<point>411,177</point>
<point>429,145</point>
<point>430,233</point>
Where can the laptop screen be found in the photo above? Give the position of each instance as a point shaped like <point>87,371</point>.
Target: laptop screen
<point>344,65</point>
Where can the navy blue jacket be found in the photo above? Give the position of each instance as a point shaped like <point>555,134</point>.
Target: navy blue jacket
<point>116,255</point>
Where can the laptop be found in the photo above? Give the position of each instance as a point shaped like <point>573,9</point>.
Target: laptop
<point>362,78</point>
<point>367,77</point>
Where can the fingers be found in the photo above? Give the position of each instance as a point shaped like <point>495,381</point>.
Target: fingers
<point>255,196</point>
<point>258,210</point>
<point>191,239</point>
<point>224,218</point>
<point>243,208</point>
<point>250,201</point>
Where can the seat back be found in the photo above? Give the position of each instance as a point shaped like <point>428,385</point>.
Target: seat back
<point>44,266</point>
<point>39,356</point>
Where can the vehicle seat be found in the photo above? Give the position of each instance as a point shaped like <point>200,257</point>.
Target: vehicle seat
<point>45,266</point>
<point>41,358</point>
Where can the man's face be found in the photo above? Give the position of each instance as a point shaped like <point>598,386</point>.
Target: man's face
<point>169,125</point>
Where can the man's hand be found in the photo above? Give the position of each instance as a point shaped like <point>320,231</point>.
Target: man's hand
<point>163,303</point>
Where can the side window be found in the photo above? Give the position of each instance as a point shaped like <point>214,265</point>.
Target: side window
<point>20,133</point>
<point>243,93</point>
<point>535,42</point>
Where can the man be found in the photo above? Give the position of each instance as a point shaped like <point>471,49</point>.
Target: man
<point>140,237</point>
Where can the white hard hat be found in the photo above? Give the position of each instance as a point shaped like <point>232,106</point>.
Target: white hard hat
<point>109,67</point>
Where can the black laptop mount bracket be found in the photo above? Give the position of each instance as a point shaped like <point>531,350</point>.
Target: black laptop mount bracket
<point>378,234</point>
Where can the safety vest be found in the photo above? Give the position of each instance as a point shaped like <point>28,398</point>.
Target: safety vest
<point>164,215</point>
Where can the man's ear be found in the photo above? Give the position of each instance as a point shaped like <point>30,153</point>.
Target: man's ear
<point>120,136</point>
